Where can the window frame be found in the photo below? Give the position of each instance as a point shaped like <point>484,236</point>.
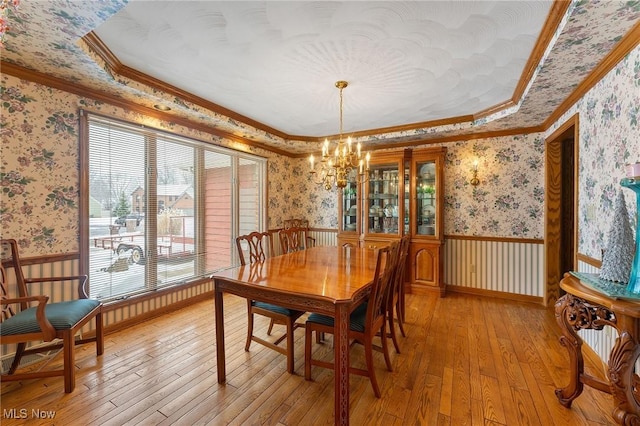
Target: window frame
<point>152,136</point>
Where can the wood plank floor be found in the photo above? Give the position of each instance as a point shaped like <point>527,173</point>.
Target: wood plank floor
<point>467,360</point>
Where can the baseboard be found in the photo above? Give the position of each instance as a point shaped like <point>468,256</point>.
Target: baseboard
<point>495,294</point>
<point>138,319</point>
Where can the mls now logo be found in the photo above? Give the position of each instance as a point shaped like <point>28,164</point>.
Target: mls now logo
<point>23,413</point>
<point>15,413</point>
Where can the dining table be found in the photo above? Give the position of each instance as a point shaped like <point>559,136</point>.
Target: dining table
<point>329,280</point>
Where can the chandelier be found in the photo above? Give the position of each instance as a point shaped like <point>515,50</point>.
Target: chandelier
<point>4,13</point>
<point>338,167</point>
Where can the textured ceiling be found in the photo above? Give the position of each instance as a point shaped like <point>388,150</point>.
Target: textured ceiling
<point>275,63</point>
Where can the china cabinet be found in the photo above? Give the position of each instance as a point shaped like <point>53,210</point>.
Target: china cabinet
<point>426,220</point>
<point>403,195</point>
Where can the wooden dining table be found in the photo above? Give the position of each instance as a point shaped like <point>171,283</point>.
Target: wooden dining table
<point>329,280</point>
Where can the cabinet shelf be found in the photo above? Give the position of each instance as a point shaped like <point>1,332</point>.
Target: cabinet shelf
<point>382,196</point>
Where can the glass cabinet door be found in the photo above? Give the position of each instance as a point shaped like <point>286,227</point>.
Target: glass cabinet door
<point>407,197</point>
<point>383,211</point>
<point>349,207</point>
<point>426,206</point>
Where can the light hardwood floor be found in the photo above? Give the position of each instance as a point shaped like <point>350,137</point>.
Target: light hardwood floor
<point>467,360</point>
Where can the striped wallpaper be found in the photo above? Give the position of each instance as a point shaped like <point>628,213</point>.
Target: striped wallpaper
<point>509,267</point>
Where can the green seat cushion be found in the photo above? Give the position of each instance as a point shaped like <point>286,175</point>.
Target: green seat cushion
<point>275,308</point>
<point>356,323</point>
<point>62,315</point>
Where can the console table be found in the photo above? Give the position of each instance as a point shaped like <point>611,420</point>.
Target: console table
<point>584,307</point>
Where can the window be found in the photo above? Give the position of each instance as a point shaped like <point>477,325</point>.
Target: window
<point>171,207</point>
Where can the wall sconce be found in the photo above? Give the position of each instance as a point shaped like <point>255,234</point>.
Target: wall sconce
<point>474,180</point>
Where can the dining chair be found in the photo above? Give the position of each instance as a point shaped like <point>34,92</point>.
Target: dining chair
<point>366,321</point>
<point>259,245</point>
<point>395,293</point>
<point>295,239</point>
<point>34,320</point>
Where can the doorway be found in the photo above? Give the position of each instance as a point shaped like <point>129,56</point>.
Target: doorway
<point>561,176</point>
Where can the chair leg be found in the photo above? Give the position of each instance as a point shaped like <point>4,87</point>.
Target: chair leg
<point>249,330</point>
<point>402,309</point>
<point>99,335</point>
<point>400,312</point>
<point>368,355</point>
<point>17,357</point>
<point>392,331</point>
<point>270,327</point>
<point>69,362</point>
<point>307,351</point>
<point>385,347</point>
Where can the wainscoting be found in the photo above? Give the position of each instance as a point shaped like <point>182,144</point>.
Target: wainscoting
<point>507,266</point>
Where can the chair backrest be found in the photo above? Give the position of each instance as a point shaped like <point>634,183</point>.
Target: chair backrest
<point>293,239</point>
<point>11,259</point>
<point>7,309</point>
<point>401,267</point>
<point>259,247</point>
<point>383,277</point>
<point>295,223</point>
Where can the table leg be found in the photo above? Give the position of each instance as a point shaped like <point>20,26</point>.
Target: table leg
<point>624,382</point>
<point>564,314</point>
<point>219,314</point>
<point>341,363</point>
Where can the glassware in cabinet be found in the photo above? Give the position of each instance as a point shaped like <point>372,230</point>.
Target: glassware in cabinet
<point>383,210</point>
<point>349,207</point>
<point>426,214</point>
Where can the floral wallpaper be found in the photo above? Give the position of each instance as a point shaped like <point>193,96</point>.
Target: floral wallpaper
<point>509,201</point>
<point>39,170</point>
<point>609,138</point>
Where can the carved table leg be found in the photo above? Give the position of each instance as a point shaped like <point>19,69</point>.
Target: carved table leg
<point>623,380</point>
<point>565,313</point>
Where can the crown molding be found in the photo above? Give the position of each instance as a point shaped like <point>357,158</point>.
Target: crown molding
<point>452,138</point>
<point>626,44</point>
<point>66,86</point>
<point>620,50</point>
<point>117,68</point>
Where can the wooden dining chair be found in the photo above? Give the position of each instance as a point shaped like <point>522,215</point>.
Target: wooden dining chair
<point>395,299</point>
<point>57,323</point>
<point>295,239</point>
<point>258,245</point>
<point>366,321</point>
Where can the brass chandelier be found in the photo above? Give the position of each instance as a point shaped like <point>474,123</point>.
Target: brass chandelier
<point>345,162</point>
